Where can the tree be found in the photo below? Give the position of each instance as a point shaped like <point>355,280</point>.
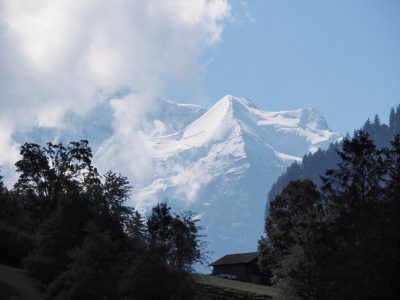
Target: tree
<point>15,242</point>
<point>136,229</point>
<point>94,272</point>
<point>148,278</point>
<point>56,237</point>
<point>161,255</point>
<point>175,239</point>
<point>387,223</point>
<point>288,226</point>
<point>346,246</point>
<point>48,172</point>
<point>116,190</point>
<point>64,230</point>
<point>353,198</point>
<point>8,208</point>
<point>2,188</point>
<point>357,223</point>
<point>394,120</point>
<point>186,242</point>
<point>14,245</point>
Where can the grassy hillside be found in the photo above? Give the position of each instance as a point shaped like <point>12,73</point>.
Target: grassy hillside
<point>238,286</point>
<point>15,285</point>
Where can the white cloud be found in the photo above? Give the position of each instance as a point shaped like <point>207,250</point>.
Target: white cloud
<point>9,149</point>
<point>58,55</point>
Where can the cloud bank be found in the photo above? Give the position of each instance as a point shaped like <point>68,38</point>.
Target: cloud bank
<point>64,56</point>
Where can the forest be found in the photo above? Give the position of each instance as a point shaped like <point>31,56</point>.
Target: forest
<point>338,237</point>
<point>71,229</point>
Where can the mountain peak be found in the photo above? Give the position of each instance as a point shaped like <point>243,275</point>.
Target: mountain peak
<point>244,109</point>
<point>235,101</point>
<point>216,123</point>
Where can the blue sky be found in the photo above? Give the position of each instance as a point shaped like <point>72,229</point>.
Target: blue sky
<point>341,57</point>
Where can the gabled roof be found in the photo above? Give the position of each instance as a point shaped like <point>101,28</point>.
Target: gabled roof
<point>239,258</point>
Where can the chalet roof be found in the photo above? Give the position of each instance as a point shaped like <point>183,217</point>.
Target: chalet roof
<point>239,258</point>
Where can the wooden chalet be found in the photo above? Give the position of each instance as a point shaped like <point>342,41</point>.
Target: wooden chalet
<point>240,266</point>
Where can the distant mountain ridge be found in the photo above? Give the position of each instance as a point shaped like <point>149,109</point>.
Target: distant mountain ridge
<point>219,162</point>
<point>315,164</point>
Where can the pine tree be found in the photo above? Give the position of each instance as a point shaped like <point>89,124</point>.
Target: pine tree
<point>396,120</point>
<point>392,118</point>
<point>388,226</point>
<point>353,194</point>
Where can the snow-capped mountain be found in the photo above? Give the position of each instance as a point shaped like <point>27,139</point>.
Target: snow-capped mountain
<point>223,163</point>
<point>219,163</point>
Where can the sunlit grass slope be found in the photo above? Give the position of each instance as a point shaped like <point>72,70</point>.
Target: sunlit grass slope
<point>239,286</point>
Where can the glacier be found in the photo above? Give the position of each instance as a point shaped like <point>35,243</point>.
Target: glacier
<point>219,162</point>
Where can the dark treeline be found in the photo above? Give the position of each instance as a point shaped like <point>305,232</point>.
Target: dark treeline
<point>315,164</point>
<point>71,230</point>
<point>339,241</point>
